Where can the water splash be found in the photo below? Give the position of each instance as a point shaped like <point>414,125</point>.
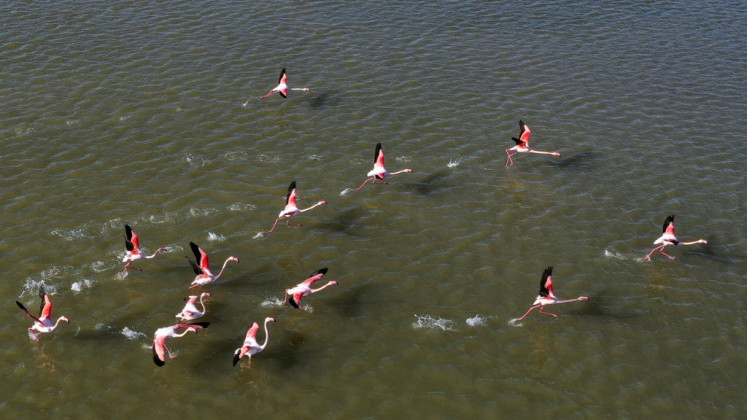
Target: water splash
<point>132,334</point>
<point>79,285</point>
<point>193,212</point>
<point>619,256</point>
<point>272,302</point>
<point>454,163</point>
<point>514,322</point>
<point>194,161</point>
<point>476,321</point>
<point>241,207</point>
<point>346,191</point>
<point>428,322</point>
<point>259,235</point>
<point>214,237</point>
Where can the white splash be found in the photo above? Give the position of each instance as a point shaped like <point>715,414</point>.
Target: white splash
<point>617,255</point>
<point>79,285</point>
<point>131,334</point>
<point>454,163</point>
<point>403,158</point>
<point>215,237</point>
<point>475,321</point>
<point>241,207</point>
<point>346,191</point>
<point>259,235</point>
<point>99,266</point>
<point>70,234</point>
<point>242,155</point>
<point>272,302</point>
<point>514,322</point>
<point>202,212</point>
<point>426,321</point>
<point>316,157</point>
<point>194,161</point>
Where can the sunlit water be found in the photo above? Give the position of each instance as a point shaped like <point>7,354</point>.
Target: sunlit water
<point>133,113</point>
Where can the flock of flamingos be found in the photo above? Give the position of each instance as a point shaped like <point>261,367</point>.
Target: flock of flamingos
<point>204,276</point>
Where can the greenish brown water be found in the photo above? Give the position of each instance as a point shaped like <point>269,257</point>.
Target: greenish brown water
<point>132,113</point>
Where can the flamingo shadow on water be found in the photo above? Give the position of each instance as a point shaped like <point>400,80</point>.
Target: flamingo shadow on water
<point>431,184</point>
<point>325,99</point>
<point>345,221</point>
<point>581,160</point>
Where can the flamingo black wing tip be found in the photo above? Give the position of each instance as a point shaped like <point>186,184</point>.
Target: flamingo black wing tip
<point>322,271</point>
<point>201,324</point>
<point>236,358</point>
<point>156,359</point>
<point>20,305</point>
<point>292,302</point>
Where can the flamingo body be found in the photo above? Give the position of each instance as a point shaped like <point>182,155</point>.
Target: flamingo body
<point>668,238</point>
<point>190,310</point>
<point>522,144</point>
<point>162,334</point>
<point>133,253</point>
<point>296,293</point>
<point>291,207</point>
<point>379,171</point>
<point>201,266</point>
<point>282,88</point>
<point>251,346</point>
<point>547,296</point>
<point>43,323</point>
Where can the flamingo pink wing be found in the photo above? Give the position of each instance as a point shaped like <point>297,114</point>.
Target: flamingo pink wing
<point>252,333</point>
<point>46,312</point>
<point>379,156</point>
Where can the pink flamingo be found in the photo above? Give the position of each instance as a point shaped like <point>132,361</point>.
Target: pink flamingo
<point>291,209</point>
<point>668,238</point>
<point>42,324</point>
<point>161,334</point>
<point>204,275</point>
<point>133,249</point>
<point>251,346</point>
<point>522,144</point>
<point>379,171</point>
<point>547,297</point>
<point>282,88</point>
<point>294,295</point>
<point>190,311</point>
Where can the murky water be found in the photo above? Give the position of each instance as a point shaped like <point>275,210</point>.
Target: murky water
<point>132,113</point>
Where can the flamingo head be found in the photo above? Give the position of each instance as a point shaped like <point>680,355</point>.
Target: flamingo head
<point>408,170</point>
<point>556,154</point>
<point>64,318</point>
<point>702,241</point>
<point>271,319</point>
<point>333,282</point>
<point>323,202</point>
<point>205,294</point>
<point>233,259</point>
<point>583,298</point>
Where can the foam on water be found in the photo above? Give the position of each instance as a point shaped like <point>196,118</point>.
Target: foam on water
<point>346,191</point>
<point>621,256</point>
<point>194,161</point>
<point>241,207</point>
<point>259,235</point>
<point>132,334</point>
<point>80,285</point>
<point>476,321</point>
<point>272,302</point>
<point>193,212</point>
<point>214,237</point>
<point>453,163</point>
<point>428,322</point>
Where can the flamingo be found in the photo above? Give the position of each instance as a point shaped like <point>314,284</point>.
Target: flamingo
<point>42,324</point>
<point>190,311</point>
<point>133,249</point>
<point>251,346</point>
<point>282,88</point>
<point>204,275</point>
<point>294,295</point>
<point>161,334</point>
<point>379,171</point>
<point>668,238</point>
<point>547,297</point>
<point>291,209</point>
<point>522,144</point>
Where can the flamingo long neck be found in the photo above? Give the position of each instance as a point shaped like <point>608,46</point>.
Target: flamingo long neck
<point>202,304</point>
<point>572,300</point>
<point>323,287</point>
<point>399,172</point>
<point>158,251</point>
<point>62,318</point>
<point>225,263</point>
<point>267,335</point>
<point>315,205</point>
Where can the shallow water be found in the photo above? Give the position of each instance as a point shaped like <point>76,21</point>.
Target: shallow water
<point>133,114</point>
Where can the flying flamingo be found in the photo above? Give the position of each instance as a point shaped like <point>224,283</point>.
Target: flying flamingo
<point>161,334</point>
<point>251,346</point>
<point>282,88</point>
<point>204,275</point>
<point>668,238</point>
<point>133,249</point>
<point>294,295</point>
<point>291,209</point>
<point>547,297</point>
<point>42,324</point>
<point>190,311</point>
<point>522,144</point>
<point>379,171</point>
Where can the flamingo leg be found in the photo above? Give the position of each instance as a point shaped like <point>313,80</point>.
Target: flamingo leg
<point>661,250</point>
<point>287,223</point>
<point>508,152</point>
<point>658,248</point>
<point>365,182</point>
<point>275,224</point>
<point>547,313</point>
<point>527,312</point>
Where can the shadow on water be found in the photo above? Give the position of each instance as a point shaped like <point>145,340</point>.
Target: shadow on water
<point>324,99</point>
<point>598,306</point>
<point>344,221</point>
<point>348,303</point>
<point>577,160</point>
<point>431,183</point>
